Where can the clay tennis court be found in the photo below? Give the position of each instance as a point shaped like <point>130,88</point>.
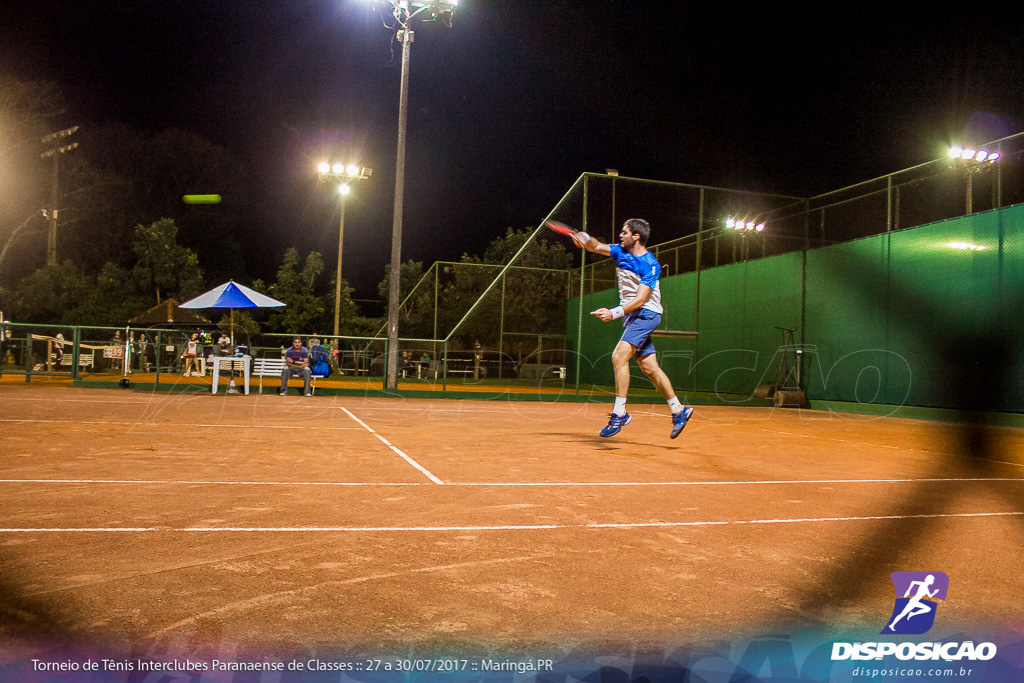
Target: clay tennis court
<point>166,523</point>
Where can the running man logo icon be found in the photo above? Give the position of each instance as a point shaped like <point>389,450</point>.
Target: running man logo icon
<point>917,596</point>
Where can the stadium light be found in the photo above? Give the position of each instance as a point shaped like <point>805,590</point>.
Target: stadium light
<point>344,174</point>
<point>972,160</point>
<point>404,11</point>
<point>744,224</point>
<point>975,155</point>
<point>745,228</point>
<point>435,10</point>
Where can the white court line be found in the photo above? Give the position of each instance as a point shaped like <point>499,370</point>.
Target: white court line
<point>394,448</point>
<point>186,482</point>
<point>511,527</point>
<point>735,483</point>
<point>208,483</point>
<point>182,425</point>
<point>72,399</point>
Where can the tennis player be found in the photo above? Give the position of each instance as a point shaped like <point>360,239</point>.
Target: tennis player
<point>637,272</point>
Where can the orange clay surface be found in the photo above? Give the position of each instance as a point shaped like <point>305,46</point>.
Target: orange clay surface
<point>171,522</point>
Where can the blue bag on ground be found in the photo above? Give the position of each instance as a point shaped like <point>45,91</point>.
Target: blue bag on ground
<point>320,361</point>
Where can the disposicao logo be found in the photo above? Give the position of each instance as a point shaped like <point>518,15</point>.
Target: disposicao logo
<point>917,597</point>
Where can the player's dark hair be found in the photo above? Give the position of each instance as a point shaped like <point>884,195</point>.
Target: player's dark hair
<point>640,228</point>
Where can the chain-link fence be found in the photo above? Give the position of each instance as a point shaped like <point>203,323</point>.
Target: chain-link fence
<point>717,233</point>
<point>522,322</point>
<point>185,357</point>
<point>691,224</point>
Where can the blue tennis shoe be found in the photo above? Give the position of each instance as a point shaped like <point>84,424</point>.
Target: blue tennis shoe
<point>679,420</point>
<point>615,424</point>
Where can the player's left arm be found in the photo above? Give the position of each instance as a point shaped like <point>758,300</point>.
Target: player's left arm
<point>643,293</point>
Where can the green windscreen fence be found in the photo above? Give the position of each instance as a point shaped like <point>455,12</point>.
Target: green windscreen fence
<point>929,316</point>
<point>926,317</point>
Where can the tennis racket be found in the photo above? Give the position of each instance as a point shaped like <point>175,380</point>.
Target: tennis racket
<point>559,226</point>
<point>580,238</point>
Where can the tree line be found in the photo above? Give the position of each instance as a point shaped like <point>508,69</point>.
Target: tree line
<point>127,241</point>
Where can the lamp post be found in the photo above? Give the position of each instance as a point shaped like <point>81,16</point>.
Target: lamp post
<point>58,149</point>
<point>344,175</point>
<point>404,11</point>
<point>972,161</point>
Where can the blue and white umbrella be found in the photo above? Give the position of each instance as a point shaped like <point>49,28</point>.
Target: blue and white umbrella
<point>231,296</point>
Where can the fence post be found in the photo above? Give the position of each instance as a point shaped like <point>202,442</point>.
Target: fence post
<point>157,352</point>
<point>444,367</point>
<point>27,356</point>
<point>76,352</point>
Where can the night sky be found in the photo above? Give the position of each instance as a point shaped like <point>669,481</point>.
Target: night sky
<point>515,100</point>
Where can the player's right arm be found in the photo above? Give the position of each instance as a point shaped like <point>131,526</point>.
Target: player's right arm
<point>592,244</point>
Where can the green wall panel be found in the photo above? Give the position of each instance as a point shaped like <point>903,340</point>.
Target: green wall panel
<point>742,307</point>
<point>929,316</point>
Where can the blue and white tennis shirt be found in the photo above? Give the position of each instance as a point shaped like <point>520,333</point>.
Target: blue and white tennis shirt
<point>632,271</point>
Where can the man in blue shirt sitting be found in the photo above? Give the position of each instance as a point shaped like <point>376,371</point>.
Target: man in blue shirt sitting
<point>296,362</point>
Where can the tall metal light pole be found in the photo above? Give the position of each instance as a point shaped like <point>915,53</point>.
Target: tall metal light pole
<point>404,11</point>
<point>343,191</point>
<point>343,174</point>
<point>58,149</point>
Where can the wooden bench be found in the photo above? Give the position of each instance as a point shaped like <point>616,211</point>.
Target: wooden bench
<point>84,361</point>
<point>273,367</point>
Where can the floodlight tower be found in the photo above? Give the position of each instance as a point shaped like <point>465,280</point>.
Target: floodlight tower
<point>746,227</point>
<point>344,174</point>
<point>972,160</point>
<point>55,139</point>
<point>404,11</point>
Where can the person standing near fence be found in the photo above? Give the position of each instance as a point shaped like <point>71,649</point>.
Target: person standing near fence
<point>637,272</point>
<point>191,357</point>
<point>58,352</point>
<point>117,351</point>
<point>143,352</point>
<point>133,353</point>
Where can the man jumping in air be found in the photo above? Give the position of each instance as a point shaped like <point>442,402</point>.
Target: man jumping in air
<point>640,308</point>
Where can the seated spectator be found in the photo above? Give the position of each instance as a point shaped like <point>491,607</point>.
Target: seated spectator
<point>296,362</point>
<point>224,344</point>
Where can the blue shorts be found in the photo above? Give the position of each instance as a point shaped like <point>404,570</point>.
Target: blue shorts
<point>638,327</point>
